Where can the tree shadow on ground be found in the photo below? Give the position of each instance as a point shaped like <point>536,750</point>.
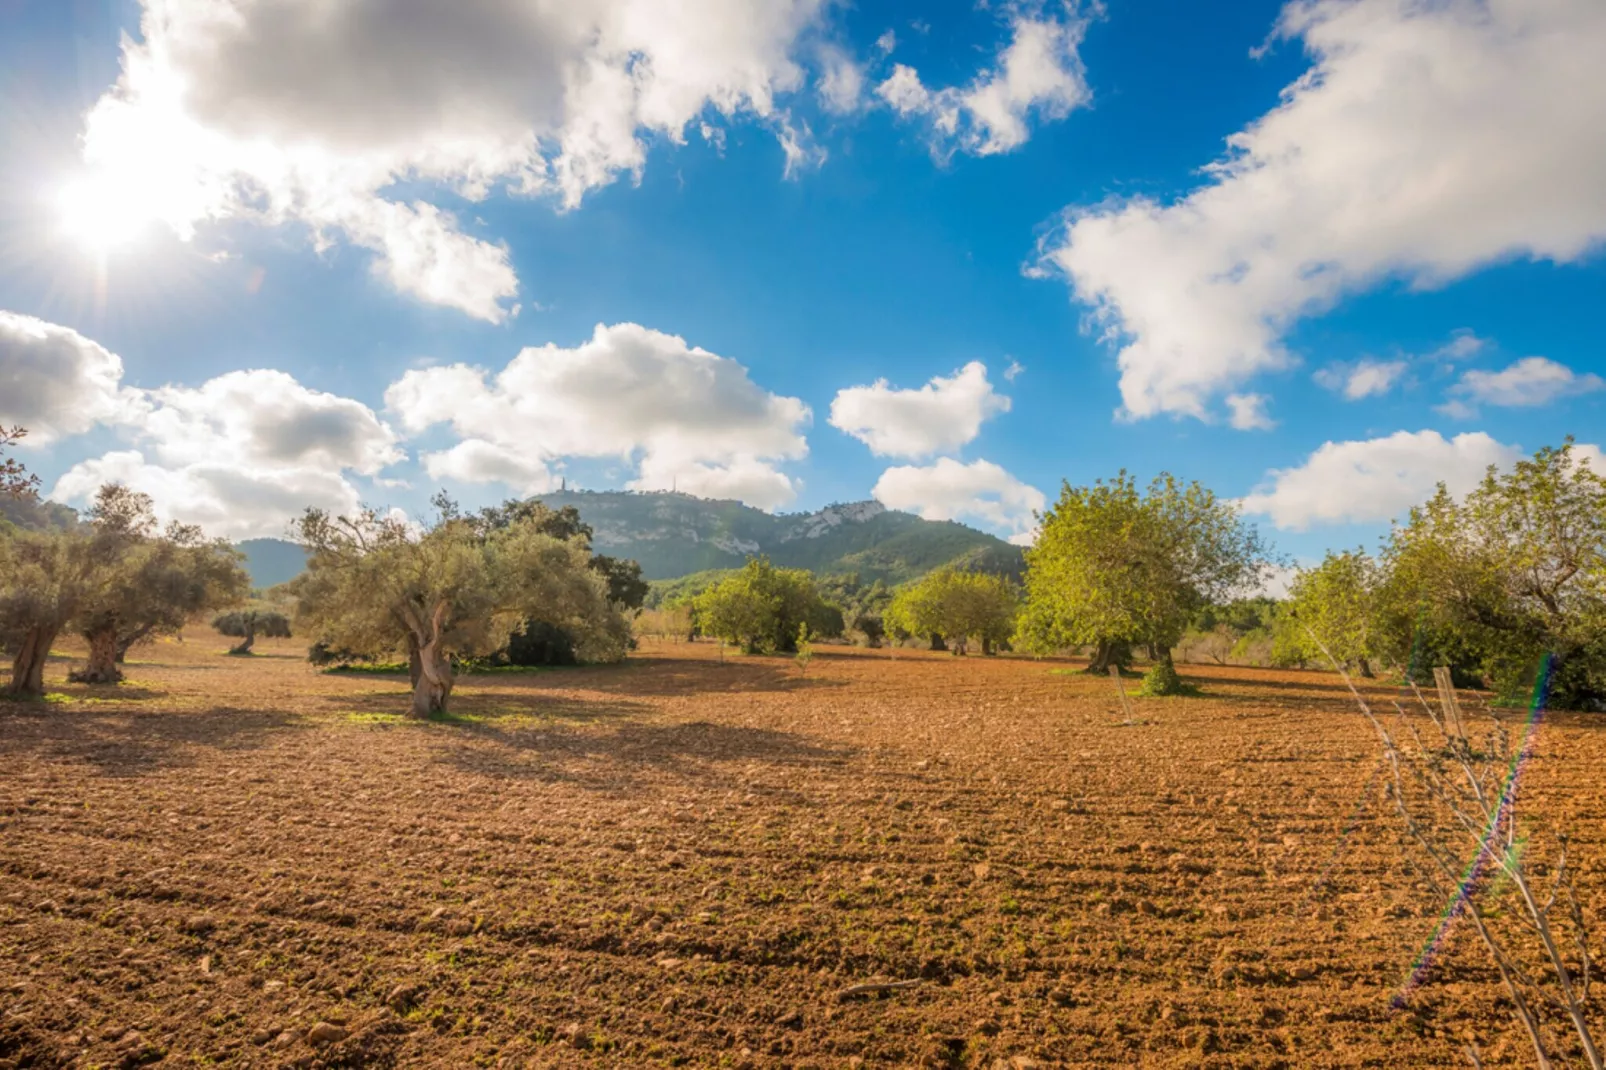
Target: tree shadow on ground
<point>130,743</point>
<point>485,708</point>
<point>614,760</point>
<point>648,675</point>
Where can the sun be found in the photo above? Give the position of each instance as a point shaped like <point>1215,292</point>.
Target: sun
<point>100,214</point>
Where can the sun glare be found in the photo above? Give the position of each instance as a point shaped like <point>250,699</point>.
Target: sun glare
<point>100,215</point>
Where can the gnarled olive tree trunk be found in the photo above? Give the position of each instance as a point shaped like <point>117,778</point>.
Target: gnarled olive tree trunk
<point>102,667</point>
<point>244,645</point>
<point>432,685</point>
<point>28,667</point>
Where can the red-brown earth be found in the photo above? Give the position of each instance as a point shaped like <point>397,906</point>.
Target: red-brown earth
<point>247,862</point>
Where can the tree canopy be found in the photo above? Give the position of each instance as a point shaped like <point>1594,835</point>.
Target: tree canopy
<point>15,481</point>
<point>1331,605</point>
<point>459,588</point>
<point>957,606</point>
<point>1492,583</point>
<point>147,581</point>
<point>763,608</point>
<point>1114,565</point>
<point>246,624</point>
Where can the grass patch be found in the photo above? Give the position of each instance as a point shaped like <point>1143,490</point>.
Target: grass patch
<point>378,668</point>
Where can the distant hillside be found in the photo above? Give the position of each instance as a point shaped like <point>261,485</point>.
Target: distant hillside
<point>272,561</point>
<point>676,534</point>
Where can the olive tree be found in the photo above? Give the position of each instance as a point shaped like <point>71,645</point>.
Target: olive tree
<point>15,482</point>
<point>246,624</point>
<point>146,581</point>
<point>1114,565</point>
<point>46,576</point>
<point>457,589</point>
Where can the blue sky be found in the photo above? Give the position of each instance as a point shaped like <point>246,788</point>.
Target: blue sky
<point>1392,277</point>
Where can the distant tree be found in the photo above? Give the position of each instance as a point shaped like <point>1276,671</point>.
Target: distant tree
<point>459,588</point>
<point>146,581</point>
<point>246,624</point>
<point>1114,566</point>
<point>863,604</point>
<point>1332,604</point>
<point>958,606</point>
<point>761,608</point>
<point>15,482</point>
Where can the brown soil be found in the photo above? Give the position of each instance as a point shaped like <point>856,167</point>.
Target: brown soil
<point>243,861</point>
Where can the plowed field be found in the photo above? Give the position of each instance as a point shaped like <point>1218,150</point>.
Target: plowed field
<point>242,861</point>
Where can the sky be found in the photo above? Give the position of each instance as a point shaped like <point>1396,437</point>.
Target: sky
<point>259,255</point>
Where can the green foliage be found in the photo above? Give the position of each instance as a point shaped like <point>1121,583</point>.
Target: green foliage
<point>1491,584</point>
<point>863,604</point>
<point>761,608</point>
<point>958,606</point>
<point>243,622</point>
<point>15,480</point>
<point>458,589</point>
<point>1115,565</point>
<point>805,649</point>
<point>1162,679</point>
<point>1332,606</point>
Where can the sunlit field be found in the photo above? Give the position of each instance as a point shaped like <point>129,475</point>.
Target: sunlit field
<point>685,860</point>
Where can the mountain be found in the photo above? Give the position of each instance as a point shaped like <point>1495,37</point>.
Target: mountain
<point>272,561</point>
<point>674,535</point>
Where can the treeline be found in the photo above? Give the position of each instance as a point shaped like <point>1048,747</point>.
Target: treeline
<point>1507,586</point>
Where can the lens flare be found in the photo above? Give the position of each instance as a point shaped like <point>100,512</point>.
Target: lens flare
<point>1488,849</point>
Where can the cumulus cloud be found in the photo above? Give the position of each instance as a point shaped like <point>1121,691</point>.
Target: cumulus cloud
<point>688,417</point>
<point>55,382</point>
<point>1363,379</point>
<point>1247,412</point>
<point>240,454</point>
<point>1374,479</point>
<point>1426,141</point>
<point>227,498</point>
<point>841,81</point>
<point>1527,383</point>
<point>302,111</point>
<point>943,415</point>
<point>1038,72</point>
<point>981,492</point>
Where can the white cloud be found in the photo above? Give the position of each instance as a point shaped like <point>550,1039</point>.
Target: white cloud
<point>948,490</point>
<point>886,42</point>
<point>1247,412</point>
<point>266,419</point>
<point>841,81</point>
<point>305,111</point>
<point>228,499</point>
<point>744,479</point>
<point>1374,479</point>
<point>943,415</point>
<point>1529,382</point>
<point>1426,141</point>
<point>1039,72</point>
<point>55,382</point>
<point>240,454</point>
<point>1363,379</point>
<point>690,418</point>
<point>1014,369</point>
